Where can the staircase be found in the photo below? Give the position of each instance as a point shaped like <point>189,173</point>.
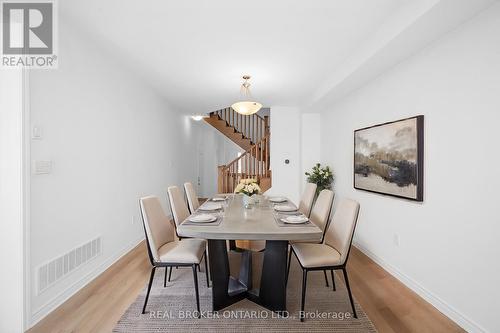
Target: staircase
<point>251,133</point>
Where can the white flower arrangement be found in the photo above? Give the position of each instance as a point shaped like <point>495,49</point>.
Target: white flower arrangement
<point>321,176</point>
<point>248,187</point>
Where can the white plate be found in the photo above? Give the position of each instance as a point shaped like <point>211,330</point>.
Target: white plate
<point>219,199</point>
<point>298,219</point>
<point>210,206</point>
<point>277,199</point>
<point>202,218</point>
<point>285,208</point>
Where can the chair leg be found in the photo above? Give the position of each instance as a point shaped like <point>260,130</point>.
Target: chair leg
<point>349,291</point>
<point>326,279</point>
<point>288,266</point>
<point>170,274</point>
<point>206,270</point>
<point>304,284</point>
<point>333,280</point>
<point>199,269</point>
<point>165,278</point>
<point>195,276</point>
<point>149,288</point>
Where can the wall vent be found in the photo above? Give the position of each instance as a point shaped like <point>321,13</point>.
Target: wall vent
<point>56,269</point>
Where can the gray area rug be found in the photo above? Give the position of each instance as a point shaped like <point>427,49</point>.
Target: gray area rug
<point>171,309</point>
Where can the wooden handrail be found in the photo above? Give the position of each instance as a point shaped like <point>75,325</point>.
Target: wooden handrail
<point>266,138</point>
<point>261,118</point>
<point>253,127</point>
<point>253,163</point>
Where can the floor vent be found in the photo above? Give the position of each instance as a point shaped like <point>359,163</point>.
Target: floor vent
<point>54,270</point>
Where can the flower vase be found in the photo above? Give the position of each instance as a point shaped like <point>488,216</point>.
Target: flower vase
<point>248,201</point>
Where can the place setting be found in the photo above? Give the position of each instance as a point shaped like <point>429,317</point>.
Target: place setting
<point>283,206</point>
<point>289,209</point>
<point>209,213</point>
<point>219,199</point>
<point>277,200</point>
<point>211,206</point>
<point>203,218</point>
<point>287,214</point>
<point>297,220</point>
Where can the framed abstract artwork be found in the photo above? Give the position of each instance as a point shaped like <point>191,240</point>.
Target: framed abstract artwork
<point>389,158</point>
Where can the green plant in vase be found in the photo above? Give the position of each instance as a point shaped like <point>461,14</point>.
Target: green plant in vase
<point>321,176</point>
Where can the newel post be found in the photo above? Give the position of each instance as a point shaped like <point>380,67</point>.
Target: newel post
<point>266,125</point>
<point>220,179</point>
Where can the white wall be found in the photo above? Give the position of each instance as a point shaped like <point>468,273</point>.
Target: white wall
<point>449,244</point>
<point>310,144</point>
<point>285,144</point>
<point>214,149</point>
<point>11,206</point>
<point>111,140</point>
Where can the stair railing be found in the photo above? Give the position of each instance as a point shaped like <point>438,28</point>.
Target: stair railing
<point>253,126</point>
<point>254,163</point>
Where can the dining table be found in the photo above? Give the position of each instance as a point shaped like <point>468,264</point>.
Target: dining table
<point>235,219</point>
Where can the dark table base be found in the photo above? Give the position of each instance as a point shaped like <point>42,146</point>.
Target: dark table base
<point>227,290</point>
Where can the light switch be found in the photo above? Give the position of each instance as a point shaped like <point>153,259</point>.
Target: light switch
<point>36,133</point>
<point>42,167</point>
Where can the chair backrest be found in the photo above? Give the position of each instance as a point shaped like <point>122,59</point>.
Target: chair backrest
<point>306,201</point>
<point>191,196</point>
<point>178,206</point>
<point>157,226</point>
<point>322,208</point>
<point>341,230</point>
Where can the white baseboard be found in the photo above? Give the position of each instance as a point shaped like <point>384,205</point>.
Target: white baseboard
<point>466,323</point>
<point>63,296</point>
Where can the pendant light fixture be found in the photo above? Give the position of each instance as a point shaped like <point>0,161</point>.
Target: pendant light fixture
<point>246,106</point>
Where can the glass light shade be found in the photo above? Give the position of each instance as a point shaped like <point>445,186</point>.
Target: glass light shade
<point>246,107</point>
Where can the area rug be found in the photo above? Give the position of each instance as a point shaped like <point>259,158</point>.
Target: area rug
<point>171,309</point>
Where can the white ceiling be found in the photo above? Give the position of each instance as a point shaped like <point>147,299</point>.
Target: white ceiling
<point>194,52</point>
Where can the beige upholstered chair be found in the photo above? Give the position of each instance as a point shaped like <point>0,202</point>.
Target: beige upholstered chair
<point>180,211</point>
<point>163,248</point>
<point>191,197</point>
<point>306,201</point>
<point>334,251</point>
<point>320,215</point>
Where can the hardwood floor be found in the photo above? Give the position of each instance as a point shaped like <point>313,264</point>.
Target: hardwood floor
<point>390,305</point>
<point>98,306</point>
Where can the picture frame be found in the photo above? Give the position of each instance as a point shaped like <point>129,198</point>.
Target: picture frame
<point>389,158</point>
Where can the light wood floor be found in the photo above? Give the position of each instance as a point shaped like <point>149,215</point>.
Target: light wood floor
<point>390,305</point>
